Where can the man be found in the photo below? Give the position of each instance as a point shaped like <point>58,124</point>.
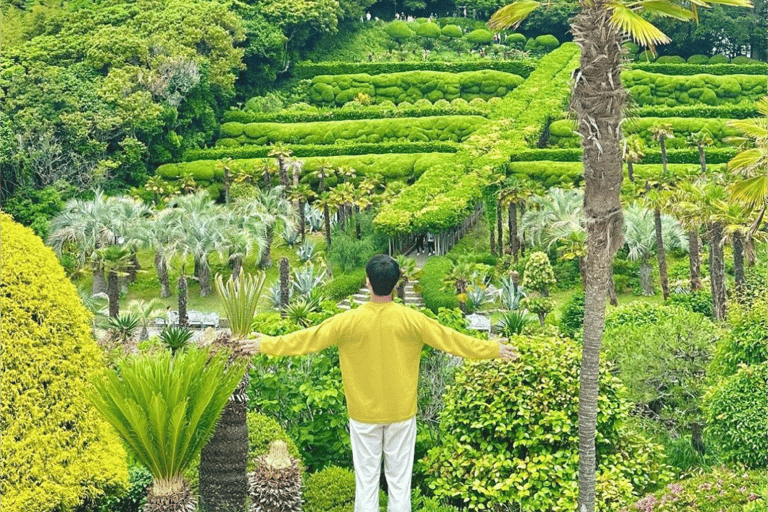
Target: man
<point>379,350</point>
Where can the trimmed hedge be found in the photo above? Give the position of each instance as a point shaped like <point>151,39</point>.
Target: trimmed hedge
<point>563,132</point>
<point>431,282</point>
<point>689,156</point>
<point>312,69</point>
<point>657,89</point>
<point>452,31</point>
<point>479,36</point>
<point>742,110</point>
<point>346,113</point>
<point>428,30</point>
<point>759,68</point>
<point>344,285</point>
<point>390,166</point>
<point>411,86</point>
<point>310,150</point>
<point>414,129</point>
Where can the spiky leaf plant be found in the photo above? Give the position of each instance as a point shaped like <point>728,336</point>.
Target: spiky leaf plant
<point>240,298</point>
<point>276,481</point>
<point>165,408</point>
<point>175,337</point>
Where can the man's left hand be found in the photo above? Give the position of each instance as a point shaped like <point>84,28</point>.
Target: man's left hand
<point>253,345</point>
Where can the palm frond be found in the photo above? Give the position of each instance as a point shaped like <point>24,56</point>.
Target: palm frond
<point>240,298</point>
<point>752,191</point>
<point>512,15</point>
<point>747,159</point>
<point>666,9</point>
<point>638,28</point>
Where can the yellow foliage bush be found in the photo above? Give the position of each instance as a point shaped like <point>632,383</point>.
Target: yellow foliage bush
<point>57,450</point>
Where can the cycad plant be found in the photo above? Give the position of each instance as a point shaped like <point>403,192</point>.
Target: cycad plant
<point>165,409</point>
<point>175,337</point>
<point>240,298</point>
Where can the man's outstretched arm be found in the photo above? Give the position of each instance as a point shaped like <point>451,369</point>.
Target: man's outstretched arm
<point>297,343</point>
<point>438,336</point>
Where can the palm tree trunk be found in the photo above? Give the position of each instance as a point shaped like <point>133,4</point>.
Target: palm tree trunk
<point>663,145</point>
<point>514,243</point>
<point>99,283</point>
<point>661,254</point>
<point>302,221</point>
<point>204,277</point>
<point>226,185</point>
<point>499,228</point>
<point>182,284</point>
<point>522,235</point>
<point>597,100</point>
<point>645,278</point>
<point>327,219</point>
<point>738,262</point>
<point>224,460</point>
<point>133,267</point>
<point>717,270</point>
<point>285,282</point>
<point>702,159</point>
<point>237,266</point>
<point>695,260</point>
<point>631,171</point>
<point>284,182</point>
<point>583,271</point>
<point>113,293</point>
<point>612,298</point>
<point>266,257</point>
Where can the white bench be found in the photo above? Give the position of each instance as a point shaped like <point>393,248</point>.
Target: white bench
<point>479,323</point>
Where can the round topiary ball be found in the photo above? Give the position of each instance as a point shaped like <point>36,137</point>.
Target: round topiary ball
<point>516,40</point>
<point>480,36</point>
<point>670,59</point>
<point>451,32</point>
<point>57,449</point>
<point>459,102</point>
<point>645,56</point>
<point>332,488</point>
<point>429,30</point>
<point>442,103</point>
<point>399,31</point>
<point>698,59</point>
<point>718,59</point>
<point>632,48</point>
<point>547,41</point>
<point>262,430</point>
<point>741,59</point>
<point>423,102</point>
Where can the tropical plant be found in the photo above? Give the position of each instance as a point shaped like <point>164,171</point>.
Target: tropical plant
<point>633,153</point>
<point>307,252</point>
<point>282,154</point>
<point>313,217</point>
<point>272,209</point>
<point>408,273</point>
<point>113,259</point>
<point>477,297</point>
<point>276,481</point>
<point>122,327</point>
<point>513,322</point>
<point>306,279</point>
<point>175,337</point>
<point>510,293</point>
<point>242,234</point>
<point>299,312</point>
<point>145,311</point>
<point>240,299</point>
<point>165,408</point>
<point>598,101</point>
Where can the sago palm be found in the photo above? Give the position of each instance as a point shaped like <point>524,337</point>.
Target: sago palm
<point>165,408</point>
<point>599,28</point>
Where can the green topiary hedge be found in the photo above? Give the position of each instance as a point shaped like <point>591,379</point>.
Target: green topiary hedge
<point>703,68</point>
<point>431,282</point>
<point>736,416</point>
<point>746,340</point>
<point>428,30</point>
<point>743,110</point>
<point>670,59</point>
<point>697,59</point>
<point>504,440</point>
<point>414,129</point>
<point>344,285</point>
<point>451,32</point>
<point>57,449</point>
<point>479,36</point>
<point>311,69</point>
<point>563,134</point>
<point>412,85</point>
<point>676,156</point>
<point>656,89</point>
<point>399,31</point>
<point>719,59</point>
<point>330,490</point>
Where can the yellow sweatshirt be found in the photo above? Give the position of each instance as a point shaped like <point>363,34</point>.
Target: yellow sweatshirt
<point>379,352</point>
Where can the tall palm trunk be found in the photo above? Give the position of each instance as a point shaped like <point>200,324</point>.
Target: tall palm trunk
<point>499,228</point>
<point>285,283</point>
<point>224,460</point>
<point>99,282</point>
<point>522,235</point>
<point>738,262</point>
<point>327,220</point>
<point>661,254</point>
<point>237,266</point>
<point>702,158</point>
<point>266,257</point>
<point>717,270</point>
<point>182,284</point>
<point>514,243</point>
<point>302,222</point>
<point>283,172</point>
<point>597,100</point>
<point>631,170</point>
<point>113,293</point>
<point>203,274</point>
<point>226,185</point>
<point>133,267</point>
<point>695,260</point>
<point>162,275</point>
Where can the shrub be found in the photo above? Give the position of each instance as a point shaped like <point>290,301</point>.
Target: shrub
<point>399,31</point>
<point>480,36</point>
<point>736,419</point>
<point>719,490</point>
<point>698,59</point>
<point>431,282</point>
<point>745,340</point>
<point>498,428</point>
<point>56,448</point>
<point>697,69</point>
<point>718,59</point>
<point>670,59</point>
<point>741,59</point>
<point>547,41</point>
<point>307,69</point>
<point>451,32</point>
<point>344,285</point>
<point>330,490</point>
<point>262,430</point>
<point>645,56</point>
<point>698,302</point>
<point>428,30</point>
<point>671,90</point>
<point>572,319</point>
<point>632,48</point>
<point>516,40</point>
<point>662,362</point>
<point>134,499</point>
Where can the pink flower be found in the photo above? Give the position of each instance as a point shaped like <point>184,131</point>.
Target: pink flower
<point>752,497</point>
<point>675,488</point>
<point>646,504</point>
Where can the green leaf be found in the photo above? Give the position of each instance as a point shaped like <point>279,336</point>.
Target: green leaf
<point>641,30</point>
<point>512,15</point>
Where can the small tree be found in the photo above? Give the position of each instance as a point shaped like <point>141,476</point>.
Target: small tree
<point>539,277</point>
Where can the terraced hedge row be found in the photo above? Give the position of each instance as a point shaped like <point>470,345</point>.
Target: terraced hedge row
<point>414,129</point>
<point>563,133</point>
<point>759,68</point>
<point>345,113</point>
<point>652,156</point>
<point>390,166</point>
<point>741,110</point>
<point>553,174</point>
<point>412,86</point>
<point>309,150</point>
<point>656,89</point>
<point>312,69</point>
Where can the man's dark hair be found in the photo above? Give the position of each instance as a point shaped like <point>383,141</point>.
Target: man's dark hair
<point>383,273</point>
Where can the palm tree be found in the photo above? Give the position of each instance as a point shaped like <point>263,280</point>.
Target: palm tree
<point>700,140</point>
<point>144,311</point>
<point>598,100</point>
<point>661,132</point>
<point>242,234</point>
<point>327,202</point>
<point>165,408</point>
<point>301,194</point>
<point>713,207</point>
<point>282,154</point>
<point>157,233</point>
<point>640,234</point>
<point>633,153</point>
<point>114,259</point>
<point>226,165</point>
<point>285,283</point>
<point>514,193</point>
<point>361,200</point>
<point>271,208</point>
<point>657,200</point>
<point>684,205</point>
<point>323,172</point>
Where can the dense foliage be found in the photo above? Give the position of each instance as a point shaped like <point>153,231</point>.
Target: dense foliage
<point>57,450</point>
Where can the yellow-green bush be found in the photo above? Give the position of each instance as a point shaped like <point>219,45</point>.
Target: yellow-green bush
<point>410,86</point>
<point>57,450</point>
<point>412,129</point>
<point>656,89</point>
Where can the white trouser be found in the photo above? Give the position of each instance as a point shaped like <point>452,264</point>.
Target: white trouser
<point>398,441</point>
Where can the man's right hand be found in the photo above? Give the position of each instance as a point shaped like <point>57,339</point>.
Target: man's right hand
<point>508,351</point>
